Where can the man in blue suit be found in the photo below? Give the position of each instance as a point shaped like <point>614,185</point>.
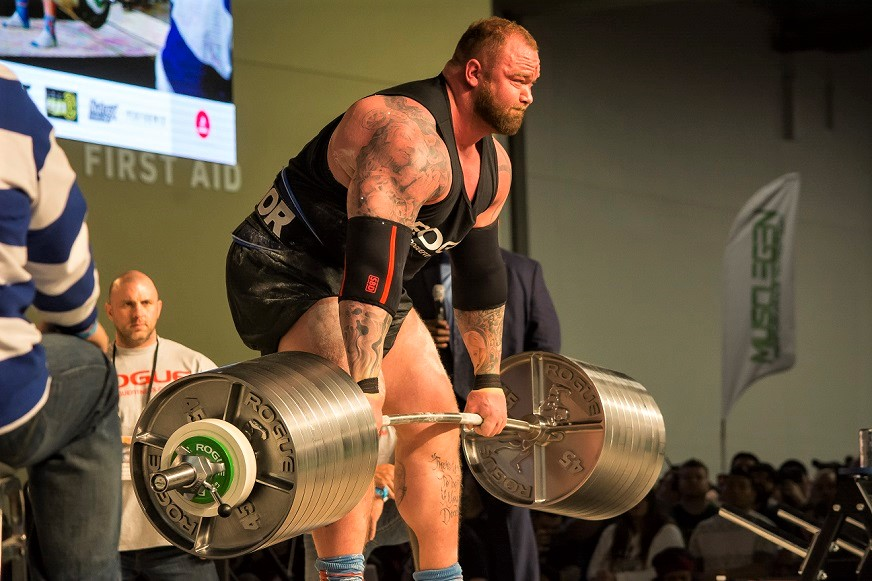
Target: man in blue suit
<point>530,324</point>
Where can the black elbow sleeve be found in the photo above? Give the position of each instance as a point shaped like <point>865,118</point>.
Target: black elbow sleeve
<point>375,257</point>
<point>479,273</point>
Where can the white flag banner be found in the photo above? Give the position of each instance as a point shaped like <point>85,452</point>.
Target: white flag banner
<point>758,289</point>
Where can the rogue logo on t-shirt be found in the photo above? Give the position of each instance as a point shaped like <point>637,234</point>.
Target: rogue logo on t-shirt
<point>142,377</point>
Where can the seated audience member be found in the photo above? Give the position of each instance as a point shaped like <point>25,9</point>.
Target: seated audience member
<point>724,548</point>
<point>667,490</point>
<point>571,548</point>
<point>58,395</point>
<point>763,477</point>
<point>822,494</point>
<point>744,460</point>
<point>626,548</point>
<point>674,564</point>
<point>548,527</point>
<point>793,484</point>
<point>693,505</point>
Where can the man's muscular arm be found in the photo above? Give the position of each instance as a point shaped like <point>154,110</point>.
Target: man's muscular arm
<point>482,330</point>
<point>400,164</point>
<point>482,333</point>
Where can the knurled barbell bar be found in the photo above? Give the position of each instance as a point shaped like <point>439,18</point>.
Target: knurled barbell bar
<point>286,443</point>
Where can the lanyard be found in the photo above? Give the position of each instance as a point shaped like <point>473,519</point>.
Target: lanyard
<point>153,366</point>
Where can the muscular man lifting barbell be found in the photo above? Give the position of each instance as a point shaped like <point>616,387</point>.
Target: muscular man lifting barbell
<point>286,443</point>
<point>402,175</point>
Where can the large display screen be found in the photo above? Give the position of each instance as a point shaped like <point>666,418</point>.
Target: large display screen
<point>150,75</point>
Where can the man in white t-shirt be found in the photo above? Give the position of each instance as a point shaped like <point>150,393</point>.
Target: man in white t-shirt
<point>146,363</point>
<point>726,549</point>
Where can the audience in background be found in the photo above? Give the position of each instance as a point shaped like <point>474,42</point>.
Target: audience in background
<point>693,504</point>
<point>822,494</point>
<point>763,475</point>
<point>724,548</point>
<point>667,490</point>
<point>715,546</point>
<point>626,548</point>
<point>793,484</point>
<point>674,564</point>
<point>744,460</point>
<point>566,545</point>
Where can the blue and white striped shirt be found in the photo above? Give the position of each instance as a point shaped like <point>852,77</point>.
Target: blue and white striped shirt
<point>45,256</point>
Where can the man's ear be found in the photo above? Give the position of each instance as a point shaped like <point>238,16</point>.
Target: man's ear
<point>473,72</point>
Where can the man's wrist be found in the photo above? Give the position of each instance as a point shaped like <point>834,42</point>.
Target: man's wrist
<point>486,380</point>
<point>369,385</point>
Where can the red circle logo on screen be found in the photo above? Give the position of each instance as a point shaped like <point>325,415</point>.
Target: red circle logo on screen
<point>203,124</point>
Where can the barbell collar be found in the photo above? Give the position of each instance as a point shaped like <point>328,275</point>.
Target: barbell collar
<point>224,509</point>
<point>181,476</point>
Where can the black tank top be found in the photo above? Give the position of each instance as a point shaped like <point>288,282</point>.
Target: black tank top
<point>309,190</point>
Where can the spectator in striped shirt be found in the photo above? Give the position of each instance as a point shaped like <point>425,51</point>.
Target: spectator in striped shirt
<point>58,391</point>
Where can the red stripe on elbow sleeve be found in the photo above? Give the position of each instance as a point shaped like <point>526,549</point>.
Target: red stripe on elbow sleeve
<point>344,275</point>
<point>392,257</point>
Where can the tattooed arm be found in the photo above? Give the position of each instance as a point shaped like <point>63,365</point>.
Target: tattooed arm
<point>482,330</point>
<point>387,152</point>
<point>482,333</point>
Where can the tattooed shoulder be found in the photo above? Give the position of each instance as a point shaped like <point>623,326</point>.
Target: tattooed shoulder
<point>374,119</point>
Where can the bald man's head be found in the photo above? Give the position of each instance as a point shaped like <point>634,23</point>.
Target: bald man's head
<point>134,309</point>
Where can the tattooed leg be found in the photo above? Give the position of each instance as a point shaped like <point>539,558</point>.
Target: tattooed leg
<point>429,494</point>
<point>318,332</point>
<point>427,475</point>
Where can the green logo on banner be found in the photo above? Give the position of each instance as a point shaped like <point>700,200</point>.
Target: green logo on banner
<point>766,285</point>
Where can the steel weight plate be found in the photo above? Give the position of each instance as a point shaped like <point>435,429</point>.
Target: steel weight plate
<point>599,447</point>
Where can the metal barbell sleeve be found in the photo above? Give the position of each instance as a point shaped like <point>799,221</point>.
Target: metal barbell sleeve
<point>464,419</point>
<point>468,419</point>
<point>181,476</point>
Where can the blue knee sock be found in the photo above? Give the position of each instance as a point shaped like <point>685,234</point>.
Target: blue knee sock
<point>452,573</point>
<point>23,13</point>
<point>341,568</point>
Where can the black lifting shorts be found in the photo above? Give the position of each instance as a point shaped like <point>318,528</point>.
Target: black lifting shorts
<point>271,284</point>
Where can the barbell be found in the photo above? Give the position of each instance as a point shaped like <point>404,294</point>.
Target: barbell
<point>287,443</point>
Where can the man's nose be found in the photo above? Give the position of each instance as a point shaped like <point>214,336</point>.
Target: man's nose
<point>527,95</point>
